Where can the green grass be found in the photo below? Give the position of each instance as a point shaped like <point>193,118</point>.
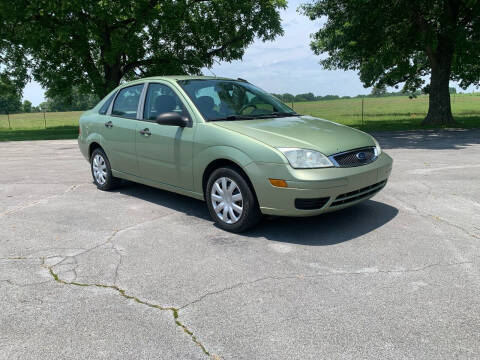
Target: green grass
<point>391,113</point>
<point>53,133</point>
<point>388,113</point>
<point>60,125</point>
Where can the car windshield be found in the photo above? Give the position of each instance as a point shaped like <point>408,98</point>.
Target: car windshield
<point>233,100</point>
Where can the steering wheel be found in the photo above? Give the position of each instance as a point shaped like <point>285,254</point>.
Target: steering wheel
<point>247,106</point>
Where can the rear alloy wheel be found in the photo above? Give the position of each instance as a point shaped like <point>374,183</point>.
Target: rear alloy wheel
<point>230,201</point>
<point>102,172</point>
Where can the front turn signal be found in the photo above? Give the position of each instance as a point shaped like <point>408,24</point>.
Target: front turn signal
<point>278,183</point>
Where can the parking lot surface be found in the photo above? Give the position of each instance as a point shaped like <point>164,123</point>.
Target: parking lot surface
<point>140,273</point>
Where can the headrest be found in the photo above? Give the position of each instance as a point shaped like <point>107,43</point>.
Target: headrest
<point>205,103</point>
<point>165,103</point>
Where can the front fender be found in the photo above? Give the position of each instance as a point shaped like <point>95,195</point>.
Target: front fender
<point>212,153</point>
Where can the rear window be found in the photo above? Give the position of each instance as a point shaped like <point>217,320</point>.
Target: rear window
<point>103,110</point>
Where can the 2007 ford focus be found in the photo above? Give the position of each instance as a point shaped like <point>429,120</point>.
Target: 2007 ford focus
<point>231,144</point>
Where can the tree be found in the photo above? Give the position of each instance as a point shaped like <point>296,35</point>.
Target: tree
<point>288,98</point>
<point>308,96</point>
<point>330,97</point>
<point>379,90</point>
<point>27,106</point>
<point>10,97</point>
<point>305,97</point>
<point>43,106</point>
<point>97,44</point>
<point>402,41</point>
<point>73,100</point>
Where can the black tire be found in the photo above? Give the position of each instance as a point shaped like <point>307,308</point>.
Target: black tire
<point>110,182</point>
<point>250,215</point>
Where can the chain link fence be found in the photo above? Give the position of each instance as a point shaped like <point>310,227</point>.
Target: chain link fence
<point>353,111</point>
<point>39,120</point>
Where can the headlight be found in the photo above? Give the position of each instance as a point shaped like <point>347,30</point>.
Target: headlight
<point>305,159</point>
<point>378,149</point>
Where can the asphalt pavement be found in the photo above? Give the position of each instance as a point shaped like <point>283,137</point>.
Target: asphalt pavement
<point>140,273</point>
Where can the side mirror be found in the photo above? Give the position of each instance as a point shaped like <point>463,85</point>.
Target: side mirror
<point>172,119</point>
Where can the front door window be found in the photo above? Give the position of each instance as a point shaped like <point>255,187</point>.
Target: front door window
<point>162,99</point>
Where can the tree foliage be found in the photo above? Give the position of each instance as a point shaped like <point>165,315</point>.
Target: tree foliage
<point>10,96</point>
<point>379,90</point>
<point>71,101</point>
<point>305,97</point>
<point>27,106</point>
<point>402,41</point>
<point>97,44</point>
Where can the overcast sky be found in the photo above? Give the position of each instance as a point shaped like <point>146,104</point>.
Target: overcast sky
<point>284,65</point>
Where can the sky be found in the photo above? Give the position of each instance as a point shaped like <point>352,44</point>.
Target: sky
<point>285,65</point>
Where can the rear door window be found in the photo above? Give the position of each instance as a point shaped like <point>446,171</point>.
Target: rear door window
<point>126,102</point>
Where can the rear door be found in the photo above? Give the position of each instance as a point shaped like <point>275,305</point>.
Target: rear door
<point>120,127</point>
<point>165,152</point>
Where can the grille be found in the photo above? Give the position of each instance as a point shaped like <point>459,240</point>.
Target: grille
<point>311,204</point>
<point>358,194</point>
<point>357,157</point>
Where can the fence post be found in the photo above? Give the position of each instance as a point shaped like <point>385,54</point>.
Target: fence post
<point>363,99</point>
<point>44,120</point>
<point>8,118</point>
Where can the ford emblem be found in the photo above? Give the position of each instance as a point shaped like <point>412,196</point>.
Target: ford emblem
<point>361,156</point>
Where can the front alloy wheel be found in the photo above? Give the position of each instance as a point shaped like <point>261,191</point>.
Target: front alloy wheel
<point>231,201</point>
<point>227,200</point>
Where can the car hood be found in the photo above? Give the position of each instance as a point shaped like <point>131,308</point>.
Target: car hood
<point>301,132</point>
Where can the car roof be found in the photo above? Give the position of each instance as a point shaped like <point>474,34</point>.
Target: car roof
<point>185,77</point>
<point>173,78</point>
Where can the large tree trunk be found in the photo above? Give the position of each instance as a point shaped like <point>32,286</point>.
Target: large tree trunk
<point>439,108</point>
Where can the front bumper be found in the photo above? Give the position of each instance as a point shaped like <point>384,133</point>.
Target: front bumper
<point>343,187</point>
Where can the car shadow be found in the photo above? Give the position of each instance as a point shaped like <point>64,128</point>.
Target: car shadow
<point>322,230</point>
<point>327,229</point>
<point>168,199</point>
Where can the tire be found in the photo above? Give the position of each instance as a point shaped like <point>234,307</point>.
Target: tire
<point>102,172</point>
<point>238,195</point>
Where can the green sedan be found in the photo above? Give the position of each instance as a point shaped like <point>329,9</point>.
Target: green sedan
<point>231,144</point>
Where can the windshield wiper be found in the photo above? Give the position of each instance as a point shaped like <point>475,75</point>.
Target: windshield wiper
<point>233,117</point>
<point>251,117</point>
<point>277,114</point>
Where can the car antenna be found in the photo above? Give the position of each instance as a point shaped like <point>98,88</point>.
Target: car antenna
<point>212,72</point>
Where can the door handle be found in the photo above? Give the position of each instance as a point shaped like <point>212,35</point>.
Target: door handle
<point>108,124</point>
<point>145,132</point>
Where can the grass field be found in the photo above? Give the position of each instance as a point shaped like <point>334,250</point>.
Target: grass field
<point>387,113</point>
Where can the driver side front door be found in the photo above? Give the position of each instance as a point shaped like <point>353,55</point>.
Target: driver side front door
<point>164,152</point>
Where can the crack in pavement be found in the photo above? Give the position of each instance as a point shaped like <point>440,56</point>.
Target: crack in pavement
<point>127,296</point>
<point>120,291</point>
<point>119,264</point>
<point>11,282</point>
<point>429,216</point>
<point>339,273</point>
<point>413,208</point>
<point>36,202</point>
<point>109,240</point>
